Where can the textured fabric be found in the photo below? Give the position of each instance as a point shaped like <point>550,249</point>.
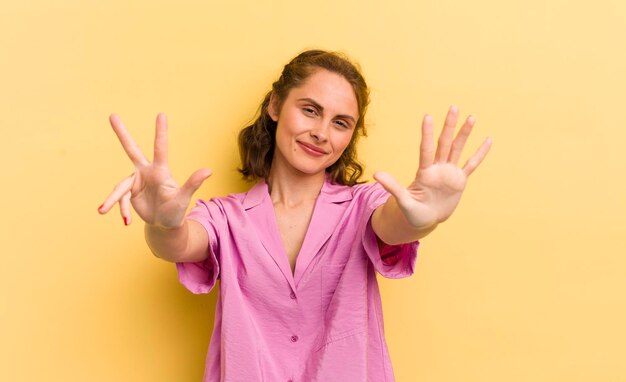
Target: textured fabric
<point>321,323</point>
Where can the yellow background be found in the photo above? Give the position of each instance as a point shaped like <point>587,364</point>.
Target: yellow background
<point>526,282</point>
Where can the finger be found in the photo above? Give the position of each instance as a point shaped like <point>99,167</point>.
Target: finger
<point>459,141</point>
<point>120,189</point>
<point>125,208</point>
<point>427,150</point>
<point>390,184</point>
<point>194,182</point>
<point>445,139</point>
<point>474,161</point>
<point>131,148</point>
<point>160,141</point>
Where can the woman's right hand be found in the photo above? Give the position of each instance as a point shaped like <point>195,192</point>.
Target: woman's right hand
<point>151,190</point>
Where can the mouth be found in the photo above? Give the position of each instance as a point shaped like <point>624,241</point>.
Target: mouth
<point>311,149</point>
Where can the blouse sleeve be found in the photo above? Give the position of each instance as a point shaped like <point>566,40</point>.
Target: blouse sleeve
<point>200,277</point>
<point>391,261</point>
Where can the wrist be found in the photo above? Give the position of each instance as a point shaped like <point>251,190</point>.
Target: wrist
<point>166,227</point>
<point>167,242</point>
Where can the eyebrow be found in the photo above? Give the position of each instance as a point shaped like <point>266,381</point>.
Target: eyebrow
<point>321,108</point>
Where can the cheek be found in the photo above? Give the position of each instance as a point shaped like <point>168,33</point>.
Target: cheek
<point>343,141</point>
<point>283,139</point>
<point>293,125</point>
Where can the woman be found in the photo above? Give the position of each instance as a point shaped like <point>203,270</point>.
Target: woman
<point>297,254</point>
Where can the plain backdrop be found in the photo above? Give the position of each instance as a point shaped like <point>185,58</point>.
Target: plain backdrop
<point>526,282</point>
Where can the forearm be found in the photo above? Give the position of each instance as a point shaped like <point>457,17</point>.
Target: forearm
<point>177,244</point>
<point>392,227</point>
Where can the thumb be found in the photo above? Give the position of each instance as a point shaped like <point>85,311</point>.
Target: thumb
<point>390,184</point>
<point>195,181</point>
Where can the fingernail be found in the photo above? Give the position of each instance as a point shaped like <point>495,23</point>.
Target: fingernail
<point>454,108</point>
<point>125,220</point>
<point>102,205</point>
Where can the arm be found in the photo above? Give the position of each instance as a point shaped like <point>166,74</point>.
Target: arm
<point>188,243</point>
<point>392,227</point>
<point>158,199</point>
<point>413,212</point>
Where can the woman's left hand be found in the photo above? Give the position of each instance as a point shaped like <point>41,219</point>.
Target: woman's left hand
<point>439,183</point>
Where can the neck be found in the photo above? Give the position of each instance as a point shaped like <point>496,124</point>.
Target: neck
<point>291,189</point>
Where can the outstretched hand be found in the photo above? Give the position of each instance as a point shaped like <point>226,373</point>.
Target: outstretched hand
<point>151,189</point>
<point>439,182</point>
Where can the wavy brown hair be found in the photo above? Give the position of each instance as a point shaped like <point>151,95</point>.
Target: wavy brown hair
<point>258,140</point>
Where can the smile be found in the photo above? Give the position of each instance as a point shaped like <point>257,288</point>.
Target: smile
<point>311,150</point>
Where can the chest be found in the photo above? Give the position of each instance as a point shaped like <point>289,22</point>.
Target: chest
<point>293,224</point>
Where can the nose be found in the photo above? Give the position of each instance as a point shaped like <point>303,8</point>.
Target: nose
<point>319,132</point>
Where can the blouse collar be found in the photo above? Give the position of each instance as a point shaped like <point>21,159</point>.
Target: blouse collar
<point>330,192</point>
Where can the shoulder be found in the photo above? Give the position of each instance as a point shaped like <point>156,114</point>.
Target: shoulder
<point>365,189</point>
<point>240,200</point>
<point>356,194</point>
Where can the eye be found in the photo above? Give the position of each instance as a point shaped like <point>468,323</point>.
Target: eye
<point>342,124</point>
<point>309,110</point>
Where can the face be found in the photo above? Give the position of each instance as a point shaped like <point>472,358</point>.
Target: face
<point>315,123</point>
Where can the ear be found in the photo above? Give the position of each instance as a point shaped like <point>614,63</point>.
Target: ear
<point>272,109</point>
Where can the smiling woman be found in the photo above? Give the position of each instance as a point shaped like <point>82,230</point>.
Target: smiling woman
<point>297,255</point>
<point>257,141</point>
<point>316,120</point>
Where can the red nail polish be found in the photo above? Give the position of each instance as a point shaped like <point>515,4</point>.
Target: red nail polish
<point>125,220</point>
<point>99,208</point>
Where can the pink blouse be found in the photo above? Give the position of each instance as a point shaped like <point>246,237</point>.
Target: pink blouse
<point>323,322</point>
